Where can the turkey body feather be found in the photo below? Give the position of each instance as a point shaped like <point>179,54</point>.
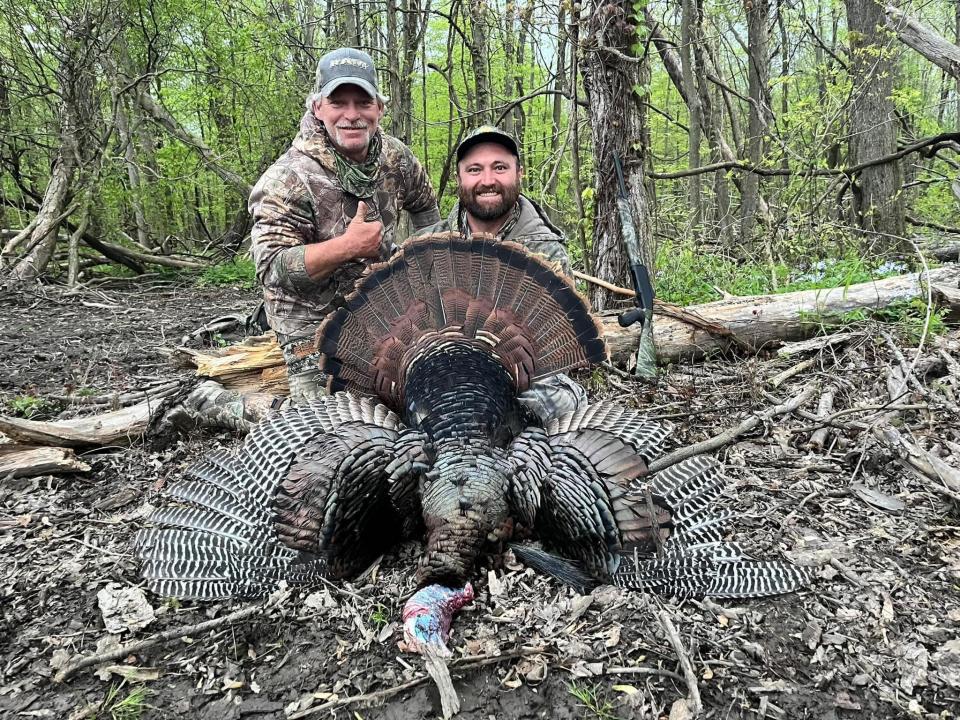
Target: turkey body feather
<point>423,433</point>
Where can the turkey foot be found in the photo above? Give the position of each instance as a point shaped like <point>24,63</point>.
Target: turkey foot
<point>427,617</point>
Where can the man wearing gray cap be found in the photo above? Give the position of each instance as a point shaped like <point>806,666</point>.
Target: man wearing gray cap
<point>322,212</point>
<point>489,173</point>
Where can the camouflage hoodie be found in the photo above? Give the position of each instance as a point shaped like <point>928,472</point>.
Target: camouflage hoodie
<point>300,200</point>
<point>530,227</point>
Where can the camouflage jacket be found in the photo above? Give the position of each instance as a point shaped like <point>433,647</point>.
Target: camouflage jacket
<point>299,200</point>
<point>533,229</point>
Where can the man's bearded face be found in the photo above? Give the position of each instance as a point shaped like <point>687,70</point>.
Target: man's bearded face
<point>488,181</point>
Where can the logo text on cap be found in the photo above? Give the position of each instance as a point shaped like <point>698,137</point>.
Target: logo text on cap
<point>350,61</point>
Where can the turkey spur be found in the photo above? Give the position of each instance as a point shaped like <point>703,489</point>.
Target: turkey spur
<point>423,435</point>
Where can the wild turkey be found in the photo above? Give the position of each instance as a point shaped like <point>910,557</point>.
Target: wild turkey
<point>445,335</point>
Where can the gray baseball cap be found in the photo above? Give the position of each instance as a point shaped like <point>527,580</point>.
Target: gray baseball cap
<point>347,66</point>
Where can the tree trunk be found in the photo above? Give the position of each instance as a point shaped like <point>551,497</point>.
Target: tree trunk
<point>688,23</point>
<point>559,85</point>
<point>509,77</point>
<point>671,63</point>
<point>349,28</point>
<point>479,57</point>
<point>784,82</point>
<point>133,176</point>
<point>609,76</point>
<point>576,188</point>
<point>759,75</point>
<point>43,239</point>
<point>877,192</point>
<point>519,116</point>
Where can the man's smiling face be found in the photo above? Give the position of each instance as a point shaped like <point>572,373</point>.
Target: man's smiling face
<point>351,118</point>
<point>488,181</point>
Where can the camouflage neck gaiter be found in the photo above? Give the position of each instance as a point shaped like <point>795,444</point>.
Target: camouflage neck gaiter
<point>510,224</point>
<point>358,179</point>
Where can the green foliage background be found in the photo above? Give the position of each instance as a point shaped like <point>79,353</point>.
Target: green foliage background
<point>235,73</point>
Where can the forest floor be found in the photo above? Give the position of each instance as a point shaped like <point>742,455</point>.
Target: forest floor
<point>876,636</point>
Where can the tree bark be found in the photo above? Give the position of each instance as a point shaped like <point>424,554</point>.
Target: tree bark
<point>30,461</point>
<point>877,193</point>
<point>924,40</point>
<point>759,75</point>
<point>119,427</point>
<point>43,239</point>
<point>609,76</point>
<point>688,24</point>
<point>479,57</point>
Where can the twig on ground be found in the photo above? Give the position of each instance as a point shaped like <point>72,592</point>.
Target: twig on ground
<point>906,372</point>
<point>438,670</point>
<point>643,671</point>
<point>819,437</point>
<point>945,478</point>
<point>164,637</point>
<point>611,368</point>
<point>688,674</point>
<point>779,379</point>
<point>718,441</point>
<point>465,663</point>
<point>120,399</point>
<point>846,572</point>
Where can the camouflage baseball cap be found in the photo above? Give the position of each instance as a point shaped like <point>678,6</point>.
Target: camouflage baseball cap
<point>491,134</point>
<point>347,66</point>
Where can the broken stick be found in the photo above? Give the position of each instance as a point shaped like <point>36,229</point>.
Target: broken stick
<point>165,637</point>
<point>688,674</point>
<point>727,436</point>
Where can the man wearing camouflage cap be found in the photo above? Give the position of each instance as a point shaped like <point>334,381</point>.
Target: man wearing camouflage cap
<point>322,212</point>
<point>489,173</point>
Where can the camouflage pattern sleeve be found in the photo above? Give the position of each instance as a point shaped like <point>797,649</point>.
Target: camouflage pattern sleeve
<point>419,199</point>
<point>282,224</point>
<point>551,248</point>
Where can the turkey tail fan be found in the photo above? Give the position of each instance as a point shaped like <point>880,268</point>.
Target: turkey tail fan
<point>443,287</point>
<point>216,534</point>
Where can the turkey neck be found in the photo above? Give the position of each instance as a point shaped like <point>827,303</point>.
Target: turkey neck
<point>466,402</point>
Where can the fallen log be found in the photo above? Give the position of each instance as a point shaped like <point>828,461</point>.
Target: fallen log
<point>947,296</point>
<point>734,323</point>
<point>119,427</point>
<point>29,461</point>
<point>759,321</point>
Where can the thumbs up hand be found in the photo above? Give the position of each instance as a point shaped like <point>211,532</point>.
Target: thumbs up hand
<point>364,237</point>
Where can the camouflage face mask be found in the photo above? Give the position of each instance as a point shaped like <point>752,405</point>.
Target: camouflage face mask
<point>359,179</point>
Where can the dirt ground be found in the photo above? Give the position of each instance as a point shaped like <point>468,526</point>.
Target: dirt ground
<point>876,635</point>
